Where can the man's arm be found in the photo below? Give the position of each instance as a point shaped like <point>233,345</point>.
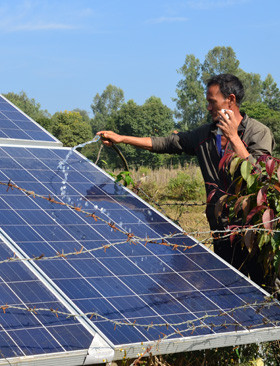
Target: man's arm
<point>110,137</point>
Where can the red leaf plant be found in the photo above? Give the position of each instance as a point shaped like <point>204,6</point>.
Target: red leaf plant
<point>254,203</point>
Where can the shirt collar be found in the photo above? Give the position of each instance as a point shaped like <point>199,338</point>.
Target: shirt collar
<point>243,123</point>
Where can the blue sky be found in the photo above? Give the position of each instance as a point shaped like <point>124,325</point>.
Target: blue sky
<point>63,52</point>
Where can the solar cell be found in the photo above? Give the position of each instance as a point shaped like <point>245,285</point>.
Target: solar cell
<point>24,332</point>
<point>15,125</point>
<point>121,269</point>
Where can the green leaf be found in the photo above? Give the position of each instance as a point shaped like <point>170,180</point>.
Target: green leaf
<point>276,262</point>
<point>251,180</point>
<point>263,239</point>
<point>125,178</point>
<point>246,168</point>
<point>234,165</point>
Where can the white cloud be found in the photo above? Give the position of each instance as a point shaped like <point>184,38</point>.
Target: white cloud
<point>167,20</point>
<point>211,4</point>
<point>29,27</point>
<point>31,16</point>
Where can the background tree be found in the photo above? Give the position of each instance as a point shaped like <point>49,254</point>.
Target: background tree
<point>267,116</point>
<point>105,105</point>
<point>191,103</point>
<point>252,84</point>
<point>84,114</point>
<point>32,108</point>
<point>70,128</point>
<point>153,118</point>
<point>219,60</point>
<point>271,93</point>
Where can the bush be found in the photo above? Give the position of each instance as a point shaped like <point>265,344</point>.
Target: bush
<point>186,187</point>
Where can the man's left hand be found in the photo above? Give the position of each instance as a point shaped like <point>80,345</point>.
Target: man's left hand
<point>228,124</point>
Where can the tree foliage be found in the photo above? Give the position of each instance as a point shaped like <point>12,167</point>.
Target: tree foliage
<point>27,105</point>
<point>219,60</point>
<point>152,118</point>
<point>105,105</point>
<point>269,117</point>
<point>32,108</point>
<point>190,102</point>
<point>70,128</point>
<point>252,84</point>
<point>271,93</point>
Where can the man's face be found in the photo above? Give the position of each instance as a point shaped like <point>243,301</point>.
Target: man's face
<point>216,101</point>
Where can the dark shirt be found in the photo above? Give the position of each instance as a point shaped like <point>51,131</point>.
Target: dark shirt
<point>201,142</point>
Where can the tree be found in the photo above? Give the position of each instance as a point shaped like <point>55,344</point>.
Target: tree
<point>219,60</point>
<point>83,113</point>
<point>153,118</point>
<point>191,103</point>
<point>27,105</point>
<point>271,93</point>
<point>267,116</point>
<point>252,85</point>
<point>70,128</point>
<point>105,105</point>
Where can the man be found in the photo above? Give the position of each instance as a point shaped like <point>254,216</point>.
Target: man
<point>242,135</point>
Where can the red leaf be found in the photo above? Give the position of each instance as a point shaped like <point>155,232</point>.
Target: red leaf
<point>262,196</point>
<point>234,230</point>
<point>267,216</point>
<point>238,205</point>
<point>225,160</point>
<point>249,240</point>
<point>212,184</point>
<point>211,194</point>
<point>269,166</point>
<point>277,187</point>
<point>219,206</point>
<point>262,158</point>
<point>232,236</point>
<point>246,205</point>
<point>253,212</point>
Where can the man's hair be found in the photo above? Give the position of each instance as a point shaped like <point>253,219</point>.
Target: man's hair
<point>229,84</point>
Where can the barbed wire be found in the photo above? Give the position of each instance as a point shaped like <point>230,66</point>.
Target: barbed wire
<point>130,237</point>
<point>182,204</point>
<point>191,323</point>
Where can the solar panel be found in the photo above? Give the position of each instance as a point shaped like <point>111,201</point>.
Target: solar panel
<point>24,331</point>
<point>109,255</point>
<point>15,125</point>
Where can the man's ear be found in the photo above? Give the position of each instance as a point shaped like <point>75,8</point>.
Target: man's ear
<point>232,100</point>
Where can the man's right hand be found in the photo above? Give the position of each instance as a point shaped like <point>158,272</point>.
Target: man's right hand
<point>109,137</point>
